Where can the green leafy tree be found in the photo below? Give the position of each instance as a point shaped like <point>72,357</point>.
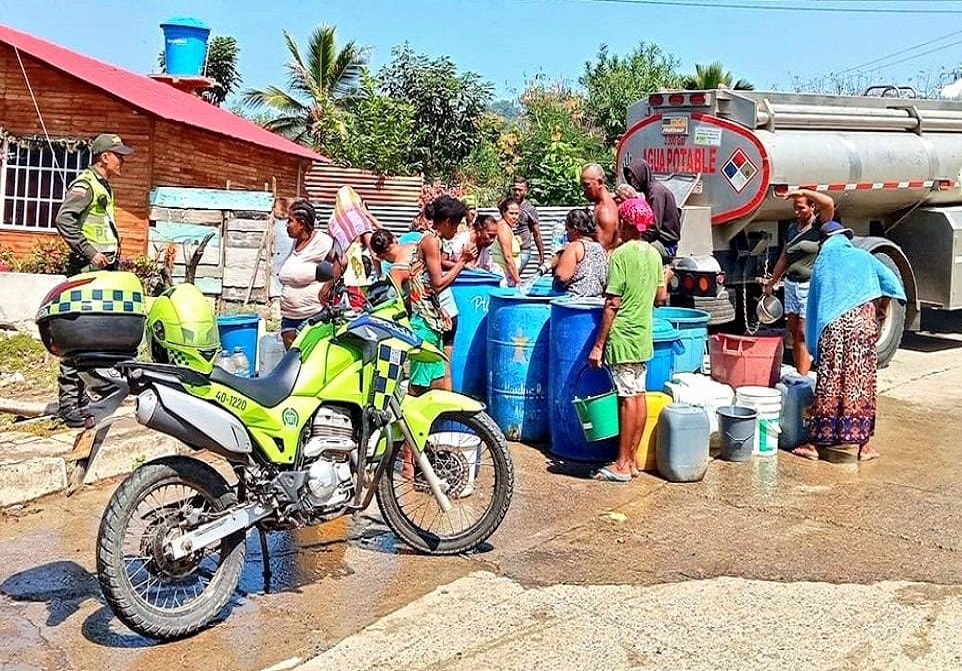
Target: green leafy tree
<point>221,66</point>
<point>612,83</point>
<point>552,140</point>
<point>320,82</point>
<point>379,133</point>
<point>484,172</point>
<point>222,54</point>
<point>714,76</point>
<point>447,108</point>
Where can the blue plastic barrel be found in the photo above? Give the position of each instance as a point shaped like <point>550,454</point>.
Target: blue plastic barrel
<point>185,45</point>
<point>573,328</point>
<point>668,347</point>
<point>469,358</point>
<point>693,327</point>
<point>240,331</point>
<point>518,338</point>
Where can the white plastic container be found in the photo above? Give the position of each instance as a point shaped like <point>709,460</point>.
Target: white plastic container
<point>701,390</point>
<point>767,402</point>
<point>270,350</point>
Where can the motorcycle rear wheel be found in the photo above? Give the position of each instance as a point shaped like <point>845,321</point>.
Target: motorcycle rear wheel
<point>402,491</point>
<point>153,594</point>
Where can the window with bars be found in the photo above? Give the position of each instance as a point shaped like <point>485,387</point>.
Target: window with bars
<point>33,181</point>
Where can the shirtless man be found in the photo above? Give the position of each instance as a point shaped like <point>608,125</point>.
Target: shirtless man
<point>606,209</point>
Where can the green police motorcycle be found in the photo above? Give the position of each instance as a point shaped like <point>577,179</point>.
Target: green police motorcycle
<point>322,435</point>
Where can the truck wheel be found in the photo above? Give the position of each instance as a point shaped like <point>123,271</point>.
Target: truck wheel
<point>890,333</point>
<point>720,307</point>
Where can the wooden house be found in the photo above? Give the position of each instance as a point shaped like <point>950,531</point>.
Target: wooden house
<point>54,101</point>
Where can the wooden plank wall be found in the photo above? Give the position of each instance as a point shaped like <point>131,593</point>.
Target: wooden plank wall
<point>72,108</point>
<point>188,156</point>
<point>185,229</point>
<point>247,255</point>
<point>166,153</point>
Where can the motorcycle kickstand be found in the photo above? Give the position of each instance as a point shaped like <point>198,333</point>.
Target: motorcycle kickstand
<point>266,559</point>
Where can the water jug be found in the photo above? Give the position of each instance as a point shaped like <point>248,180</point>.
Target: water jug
<point>681,450</point>
<point>224,361</point>
<point>241,363</point>
<point>271,349</point>
<point>798,392</point>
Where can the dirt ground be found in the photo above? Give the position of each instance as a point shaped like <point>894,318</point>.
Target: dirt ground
<point>784,519</point>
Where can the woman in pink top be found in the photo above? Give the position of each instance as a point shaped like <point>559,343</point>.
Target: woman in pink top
<point>299,287</point>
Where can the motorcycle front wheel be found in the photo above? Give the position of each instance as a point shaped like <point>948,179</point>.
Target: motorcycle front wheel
<point>470,457</point>
<point>150,592</point>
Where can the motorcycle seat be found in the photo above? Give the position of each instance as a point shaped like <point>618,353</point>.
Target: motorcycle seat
<point>267,391</point>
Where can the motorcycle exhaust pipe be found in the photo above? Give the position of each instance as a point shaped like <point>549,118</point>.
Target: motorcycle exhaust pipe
<point>193,421</point>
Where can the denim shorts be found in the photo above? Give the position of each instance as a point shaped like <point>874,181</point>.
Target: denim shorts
<point>796,297</point>
<point>290,324</point>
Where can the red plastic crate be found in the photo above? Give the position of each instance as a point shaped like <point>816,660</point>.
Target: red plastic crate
<point>743,360</point>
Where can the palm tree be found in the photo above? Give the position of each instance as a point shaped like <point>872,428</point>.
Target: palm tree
<point>318,86</point>
<point>714,76</point>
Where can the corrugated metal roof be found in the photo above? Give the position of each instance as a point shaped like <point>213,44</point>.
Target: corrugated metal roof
<point>154,97</point>
<point>323,181</point>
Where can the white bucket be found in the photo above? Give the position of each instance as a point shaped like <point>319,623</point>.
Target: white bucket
<point>701,390</point>
<point>767,403</point>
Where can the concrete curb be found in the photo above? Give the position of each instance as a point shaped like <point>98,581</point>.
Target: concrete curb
<point>33,466</point>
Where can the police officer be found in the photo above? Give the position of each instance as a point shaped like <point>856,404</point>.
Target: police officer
<point>87,223</point>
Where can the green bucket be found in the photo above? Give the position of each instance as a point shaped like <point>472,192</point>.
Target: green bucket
<point>598,414</point>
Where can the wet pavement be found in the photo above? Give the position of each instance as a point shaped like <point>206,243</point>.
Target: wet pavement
<point>785,520</point>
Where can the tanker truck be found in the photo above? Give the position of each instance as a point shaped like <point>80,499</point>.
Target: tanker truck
<point>891,164</point>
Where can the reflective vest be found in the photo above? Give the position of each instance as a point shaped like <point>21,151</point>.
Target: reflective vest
<point>99,227</point>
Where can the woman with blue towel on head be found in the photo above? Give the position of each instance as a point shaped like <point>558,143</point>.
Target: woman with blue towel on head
<point>848,297</point>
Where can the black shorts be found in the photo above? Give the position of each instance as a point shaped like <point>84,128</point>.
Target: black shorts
<point>447,338</point>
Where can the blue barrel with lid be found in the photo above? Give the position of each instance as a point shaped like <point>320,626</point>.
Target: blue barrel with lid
<point>668,346</point>
<point>518,338</point>
<point>574,326</point>
<point>681,449</point>
<point>240,331</point>
<point>469,359</point>
<point>693,328</point>
<point>185,46</point>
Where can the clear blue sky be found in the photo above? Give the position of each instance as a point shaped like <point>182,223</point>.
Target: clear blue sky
<point>507,41</point>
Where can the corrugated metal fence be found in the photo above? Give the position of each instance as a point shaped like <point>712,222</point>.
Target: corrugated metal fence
<point>323,181</point>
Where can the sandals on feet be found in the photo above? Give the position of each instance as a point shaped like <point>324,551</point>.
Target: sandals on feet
<point>806,452</point>
<point>606,474</point>
<point>869,453</point>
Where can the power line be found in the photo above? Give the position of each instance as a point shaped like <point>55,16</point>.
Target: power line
<point>899,52</point>
<point>913,56</point>
<point>703,4</point>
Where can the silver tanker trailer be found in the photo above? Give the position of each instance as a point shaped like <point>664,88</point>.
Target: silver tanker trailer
<point>891,164</point>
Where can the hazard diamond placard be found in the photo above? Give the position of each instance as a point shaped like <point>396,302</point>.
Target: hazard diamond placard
<point>739,170</point>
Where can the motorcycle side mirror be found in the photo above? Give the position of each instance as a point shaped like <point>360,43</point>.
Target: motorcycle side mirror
<point>324,271</point>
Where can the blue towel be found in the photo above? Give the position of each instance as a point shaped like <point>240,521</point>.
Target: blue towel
<point>843,278</point>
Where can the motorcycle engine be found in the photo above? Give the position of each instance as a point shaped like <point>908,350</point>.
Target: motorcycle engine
<point>331,453</point>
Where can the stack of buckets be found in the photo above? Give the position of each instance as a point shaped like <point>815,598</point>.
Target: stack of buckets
<point>767,404</point>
